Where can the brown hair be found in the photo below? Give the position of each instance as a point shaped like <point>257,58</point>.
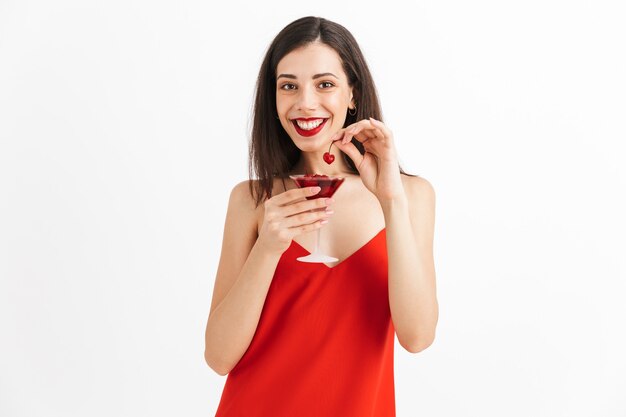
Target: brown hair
<point>272,153</point>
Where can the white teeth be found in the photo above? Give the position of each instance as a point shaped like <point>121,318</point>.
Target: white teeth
<point>309,125</point>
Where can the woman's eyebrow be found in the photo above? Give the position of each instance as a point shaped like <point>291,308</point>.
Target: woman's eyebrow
<point>293,77</point>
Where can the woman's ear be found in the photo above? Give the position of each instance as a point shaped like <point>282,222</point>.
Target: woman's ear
<point>352,101</point>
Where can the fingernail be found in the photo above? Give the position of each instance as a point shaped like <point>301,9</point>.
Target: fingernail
<point>315,190</point>
<point>329,201</point>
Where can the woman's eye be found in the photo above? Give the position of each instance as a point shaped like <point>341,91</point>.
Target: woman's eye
<point>290,86</point>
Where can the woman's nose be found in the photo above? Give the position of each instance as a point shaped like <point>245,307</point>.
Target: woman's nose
<point>307,98</point>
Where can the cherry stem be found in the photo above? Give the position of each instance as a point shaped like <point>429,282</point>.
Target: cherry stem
<point>331,144</point>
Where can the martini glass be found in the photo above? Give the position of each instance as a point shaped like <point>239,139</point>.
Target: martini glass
<point>328,187</point>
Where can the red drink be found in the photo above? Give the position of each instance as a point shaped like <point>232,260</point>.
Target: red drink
<point>327,184</point>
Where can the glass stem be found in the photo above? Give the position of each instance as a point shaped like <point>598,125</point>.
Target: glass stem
<point>317,241</point>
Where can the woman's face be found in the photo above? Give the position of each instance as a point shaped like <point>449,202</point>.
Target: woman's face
<point>311,84</point>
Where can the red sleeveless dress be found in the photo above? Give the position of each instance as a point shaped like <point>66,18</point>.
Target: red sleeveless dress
<point>324,344</point>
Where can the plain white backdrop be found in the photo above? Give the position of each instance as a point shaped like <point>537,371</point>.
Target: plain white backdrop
<point>124,125</point>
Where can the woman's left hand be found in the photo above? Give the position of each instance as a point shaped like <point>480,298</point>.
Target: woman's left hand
<point>378,167</point>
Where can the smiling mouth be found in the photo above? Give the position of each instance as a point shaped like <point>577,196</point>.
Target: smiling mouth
<point>309,127</point>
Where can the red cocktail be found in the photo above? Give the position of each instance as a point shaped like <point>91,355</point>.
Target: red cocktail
<point>327,184</point>
<point>328,187</point>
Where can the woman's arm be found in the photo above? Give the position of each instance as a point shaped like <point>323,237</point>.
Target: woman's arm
<point>413,302</point>
<point>409,208</point>
<point>248,263</point>
<point>243,278</point>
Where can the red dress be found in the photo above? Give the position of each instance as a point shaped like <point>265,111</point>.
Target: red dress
<point>324,343</point>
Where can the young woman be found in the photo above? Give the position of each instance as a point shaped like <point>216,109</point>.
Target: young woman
<point>312,339</point>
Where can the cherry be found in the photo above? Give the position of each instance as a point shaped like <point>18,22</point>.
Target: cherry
<point>329,157</point>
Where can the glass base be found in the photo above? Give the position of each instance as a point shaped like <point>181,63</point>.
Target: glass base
<point>317,258</point>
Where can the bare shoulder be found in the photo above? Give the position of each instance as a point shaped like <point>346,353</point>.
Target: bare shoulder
<point>418,187</point>
<point>240,195</point>
<point>421,196</point>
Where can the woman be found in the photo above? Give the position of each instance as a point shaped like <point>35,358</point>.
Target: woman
<point>305,339</point>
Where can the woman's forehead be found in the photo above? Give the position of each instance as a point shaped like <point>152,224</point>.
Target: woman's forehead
<point>310,60</point>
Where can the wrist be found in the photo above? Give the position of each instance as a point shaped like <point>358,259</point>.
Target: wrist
<point>268,250</point>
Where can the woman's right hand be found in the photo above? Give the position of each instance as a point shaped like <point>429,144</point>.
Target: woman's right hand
<point>287,215</point>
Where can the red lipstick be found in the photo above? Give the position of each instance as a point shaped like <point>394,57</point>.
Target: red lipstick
<point>308,133</point>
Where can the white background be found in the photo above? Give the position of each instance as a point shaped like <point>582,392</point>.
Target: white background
<point>124,126</point>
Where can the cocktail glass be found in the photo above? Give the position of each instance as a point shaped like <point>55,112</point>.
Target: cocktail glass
<point>328,187</point>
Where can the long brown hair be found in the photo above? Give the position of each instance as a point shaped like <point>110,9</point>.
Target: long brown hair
<point>272,153</point>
